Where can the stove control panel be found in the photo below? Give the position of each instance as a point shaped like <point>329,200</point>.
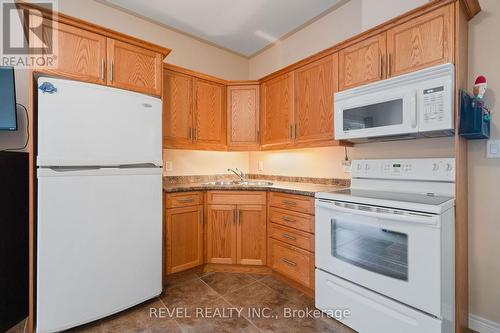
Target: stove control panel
<point>432,169</point>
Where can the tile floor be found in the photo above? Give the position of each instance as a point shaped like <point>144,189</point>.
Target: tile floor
<point>208,302</point>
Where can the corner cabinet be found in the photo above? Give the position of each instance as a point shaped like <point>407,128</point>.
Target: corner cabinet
<point>243,117</point>
<point>236,228</point>
<point>89,53</point>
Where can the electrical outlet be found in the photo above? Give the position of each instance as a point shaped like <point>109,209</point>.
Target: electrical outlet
<point>493,149</point>
<point>346,165</point>
<point>260,166</point>
<point>169,166</point>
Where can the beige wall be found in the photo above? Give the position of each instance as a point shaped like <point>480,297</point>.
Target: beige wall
<point>351,18</point>
<point>484,174</point>
<point>198,162</point>
<point>326,162</point>
<point>186,51</point>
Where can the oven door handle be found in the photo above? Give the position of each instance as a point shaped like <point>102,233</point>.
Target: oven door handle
<point>394,214</point>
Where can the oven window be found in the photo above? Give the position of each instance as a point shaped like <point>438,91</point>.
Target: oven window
<point>378,250</point>
<point>374,115</point>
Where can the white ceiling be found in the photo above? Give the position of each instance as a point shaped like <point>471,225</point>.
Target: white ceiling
<point>243,26</point>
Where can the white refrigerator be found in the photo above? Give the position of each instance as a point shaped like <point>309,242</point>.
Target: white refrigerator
<point>99,202</point>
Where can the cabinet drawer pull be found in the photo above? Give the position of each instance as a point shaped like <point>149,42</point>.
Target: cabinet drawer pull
<point>185,200</point>
<point>389,65</point>
<point>111,72</point>
<point>287,236</point>
<point>379,67</point>
<point>232,216</point>
<point>289,203</point>
<point>289,262</point>
<point>288,219</point>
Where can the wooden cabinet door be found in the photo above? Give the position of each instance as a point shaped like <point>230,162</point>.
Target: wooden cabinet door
<point>315,85</point>
<point>177,109</point>
<point>251,234</point>
<point>277,110</point>
<point>184,238</point>
<point>422,42</point>
<point>243,117</point>
<point>81,55</point>
<point>221,234</point>
<point>362,62</point>
<point>134,68</point>
<point>209,114</point>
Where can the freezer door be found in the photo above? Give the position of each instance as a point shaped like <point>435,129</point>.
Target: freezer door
<point>99,239</point>
<point>88,124</point>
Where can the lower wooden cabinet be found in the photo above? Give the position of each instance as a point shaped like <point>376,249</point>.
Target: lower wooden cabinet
<point>292,262</point>
<point>236,234</point>
<point>291,237</point>
<point>183,238</point>
<point>221,234</point>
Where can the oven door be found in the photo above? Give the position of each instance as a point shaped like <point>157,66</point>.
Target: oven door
<point>395,253</point>
<point>388,112</point>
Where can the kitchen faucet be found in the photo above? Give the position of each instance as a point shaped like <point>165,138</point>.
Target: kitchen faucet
<point>238,173</point>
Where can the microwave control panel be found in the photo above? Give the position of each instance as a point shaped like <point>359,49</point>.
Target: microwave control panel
<point>433,105</point>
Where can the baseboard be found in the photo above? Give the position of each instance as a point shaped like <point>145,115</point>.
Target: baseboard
<point>483,325</point>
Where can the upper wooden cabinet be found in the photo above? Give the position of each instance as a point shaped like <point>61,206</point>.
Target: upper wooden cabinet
<point>81,55</point>
<point>94,54</point>
<point>134,68</point>
<point>194,115</point>
<point>277,110</point>
<point>209,114</point>
<point>362,62</point>
<point>178,108</point>
<point>421,42</point>
<point>243,117</point>
<point>315,85</point>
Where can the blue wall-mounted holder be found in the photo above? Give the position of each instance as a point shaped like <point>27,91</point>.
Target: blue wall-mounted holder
<point>474,118</point>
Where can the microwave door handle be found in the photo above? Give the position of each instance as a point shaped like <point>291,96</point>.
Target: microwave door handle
<point>409,218</point>
<point>415,109</point>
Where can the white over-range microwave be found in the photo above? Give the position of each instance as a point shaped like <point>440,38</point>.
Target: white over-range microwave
<point>418,104</point>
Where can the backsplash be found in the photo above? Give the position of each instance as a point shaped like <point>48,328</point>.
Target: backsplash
<point>211,178</point>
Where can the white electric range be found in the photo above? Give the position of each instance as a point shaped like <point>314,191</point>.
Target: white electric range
<point>385,247</point>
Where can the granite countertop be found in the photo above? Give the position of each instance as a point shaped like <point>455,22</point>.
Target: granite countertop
<point>308,189</point>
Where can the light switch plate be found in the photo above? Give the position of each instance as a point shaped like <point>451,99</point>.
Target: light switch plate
<point>169,166</point>
<point>261,166</point>
<point>493,149</point>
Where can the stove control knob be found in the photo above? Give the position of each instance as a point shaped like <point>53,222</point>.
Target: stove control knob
<point>449,167</point>
<point>367,166</point>
<point>435,167</point>
<point>359,166</point>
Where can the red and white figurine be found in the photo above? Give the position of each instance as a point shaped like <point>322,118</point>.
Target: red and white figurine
<point>480,87</point>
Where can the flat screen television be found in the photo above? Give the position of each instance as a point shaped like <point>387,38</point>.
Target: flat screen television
<point>8,111</point>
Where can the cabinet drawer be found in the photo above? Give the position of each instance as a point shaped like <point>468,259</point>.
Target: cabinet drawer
<point>291,236</point>
<point>292,262</point>
<point>297,203</point>
<point>292,219</point>
<point>183,199</point>
<point>236,197</point>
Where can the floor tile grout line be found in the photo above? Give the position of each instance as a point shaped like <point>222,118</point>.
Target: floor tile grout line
<point>247,319</point>
<point>224,299</point>
<point>165,305</point>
